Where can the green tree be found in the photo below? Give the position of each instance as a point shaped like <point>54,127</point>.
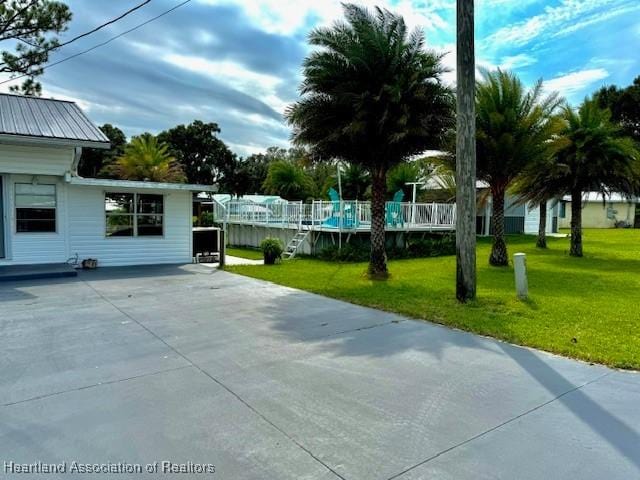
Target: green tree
<point>289,180</point>
<point>246,176</point>
<point>28,32</point>
<point>322,177</point>
<point>372,95</point>
<point>592,154</point>
<point>147,159</point>
<point>400,175</point>
<point>94,161</point>
<point>624,104</point>
<point>356,182</point>
<point>513,131</point>
<point>204,157</point>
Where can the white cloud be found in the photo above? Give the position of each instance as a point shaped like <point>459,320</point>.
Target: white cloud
<point>575,83</point>
<point>234,75</point>
<point>514,62</point>
<point>288,17</point>
<point>567,17</point>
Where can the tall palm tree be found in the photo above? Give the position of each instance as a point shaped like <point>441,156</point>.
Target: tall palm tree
<point>591,155</point>
<point>514,128</point>
<point>372,95</point>
<point>145,158</point>
<point>532,187</point>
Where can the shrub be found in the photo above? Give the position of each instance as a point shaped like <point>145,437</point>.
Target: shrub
<point>434,246</point>
<point>206,219</point>
<point>272,249</point>
<point>350,252</point>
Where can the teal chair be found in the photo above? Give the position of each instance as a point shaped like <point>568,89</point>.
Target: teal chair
<point>346,218</point>
<point>393,211</point>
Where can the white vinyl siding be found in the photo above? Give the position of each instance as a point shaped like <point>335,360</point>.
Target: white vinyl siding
<point>87,224</point>
<point>36,247</point>
<point>32,160</point>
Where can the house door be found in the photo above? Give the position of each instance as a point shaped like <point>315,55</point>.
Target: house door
<point>2,233</point>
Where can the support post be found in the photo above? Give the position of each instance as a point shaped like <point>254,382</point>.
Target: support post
<point>520,270</point>
<point>222,247</point>
<point>465,154</point>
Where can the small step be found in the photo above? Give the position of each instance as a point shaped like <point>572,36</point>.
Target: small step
<point>11,273</point>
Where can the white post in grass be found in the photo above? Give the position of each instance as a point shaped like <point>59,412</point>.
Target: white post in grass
<point>520,269</point>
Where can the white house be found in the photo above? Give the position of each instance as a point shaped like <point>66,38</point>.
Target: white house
<point>603,212</point>
<point>48,214</point>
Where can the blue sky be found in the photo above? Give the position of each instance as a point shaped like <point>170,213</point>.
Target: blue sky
<point>237,62</point>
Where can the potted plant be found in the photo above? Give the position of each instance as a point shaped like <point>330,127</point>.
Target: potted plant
<point>272,249</point>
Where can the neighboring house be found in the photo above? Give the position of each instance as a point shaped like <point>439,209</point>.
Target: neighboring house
<point>517,218</point>
<point>599,213</point>
<point>48,214</point>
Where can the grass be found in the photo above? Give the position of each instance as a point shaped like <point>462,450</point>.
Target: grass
<point>586,308</point>
<point>245,252</point>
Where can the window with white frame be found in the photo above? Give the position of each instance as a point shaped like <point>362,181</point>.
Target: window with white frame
<point>134,214</point>
<point>35,208</point>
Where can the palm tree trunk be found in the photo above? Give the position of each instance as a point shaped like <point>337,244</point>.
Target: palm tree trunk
<point>465,154</point>
<point>378,259</point>
<point>498,257</point>
<point>542,228</point>
<point>576,223</point>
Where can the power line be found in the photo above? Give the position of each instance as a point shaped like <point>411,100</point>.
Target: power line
<point>102,44</point>
<point>99,27</point>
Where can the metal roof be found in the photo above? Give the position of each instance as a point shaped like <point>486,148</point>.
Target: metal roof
<point>108,183</point>
<point>47,121</point>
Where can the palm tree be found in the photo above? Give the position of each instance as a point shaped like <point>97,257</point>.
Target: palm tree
<point>591,155</point>
<point>289,180</point>
<point>372,96</point>
<point>514,128</point>
<point>533,190</point>
<point>400,176</point>
<point>145,158</point>
<point>355,182</point>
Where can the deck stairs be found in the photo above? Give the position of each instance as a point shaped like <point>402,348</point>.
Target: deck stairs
<point>296,242</point>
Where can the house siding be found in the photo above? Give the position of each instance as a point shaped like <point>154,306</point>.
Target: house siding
<point>33,160</point>
<point>87,230</point>
<point>31,248</point>
<point>595,215</point>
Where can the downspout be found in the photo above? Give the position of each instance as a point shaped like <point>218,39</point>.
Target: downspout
<point>77,153</point>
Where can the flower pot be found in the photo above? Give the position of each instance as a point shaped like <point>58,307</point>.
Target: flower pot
<point>270,258</point>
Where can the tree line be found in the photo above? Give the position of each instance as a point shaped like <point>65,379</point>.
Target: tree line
<point>194,153</point>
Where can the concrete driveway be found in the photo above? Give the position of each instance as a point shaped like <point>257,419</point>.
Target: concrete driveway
<point>186,364</point>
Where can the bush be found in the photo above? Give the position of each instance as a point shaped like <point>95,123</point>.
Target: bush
<point>435,246</point>
<point>272,249</point>
<point>205,219</point>
<point>350,252</point>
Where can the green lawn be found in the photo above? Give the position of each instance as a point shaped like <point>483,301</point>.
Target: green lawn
<point>244,252</point>
<point>588,308</point>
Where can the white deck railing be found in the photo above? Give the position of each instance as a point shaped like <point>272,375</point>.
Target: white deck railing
<point>342,215</point>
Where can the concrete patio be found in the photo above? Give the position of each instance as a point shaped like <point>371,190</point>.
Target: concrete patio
<point>189,364</point>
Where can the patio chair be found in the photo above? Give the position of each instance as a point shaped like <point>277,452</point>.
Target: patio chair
<point>393,211</point>
<point>345,218</point>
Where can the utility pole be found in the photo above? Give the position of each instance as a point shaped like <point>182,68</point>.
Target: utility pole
<point>465,154</point>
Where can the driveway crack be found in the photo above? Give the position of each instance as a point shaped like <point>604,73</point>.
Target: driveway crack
<point>496,427</point>
<point>85,387</point>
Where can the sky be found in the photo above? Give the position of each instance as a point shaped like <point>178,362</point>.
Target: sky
<point>238,62</point>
